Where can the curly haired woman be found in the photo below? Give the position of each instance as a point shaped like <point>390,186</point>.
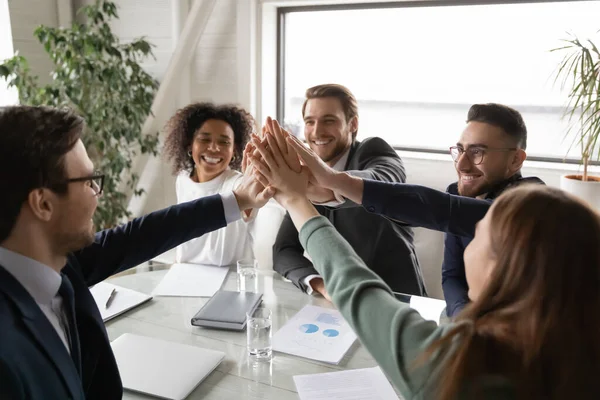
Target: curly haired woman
<point>205,143</point>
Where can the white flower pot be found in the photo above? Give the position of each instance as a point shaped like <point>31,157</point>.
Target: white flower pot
<point>588,191</point>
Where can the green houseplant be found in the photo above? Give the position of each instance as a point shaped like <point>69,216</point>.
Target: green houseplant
<point>101,78</point>
<point>579,73</point>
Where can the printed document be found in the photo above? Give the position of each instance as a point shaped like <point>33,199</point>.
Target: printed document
<point>354,384</point>
<point>317,333</point>
<point>191,280</point>
<point>430,309</point>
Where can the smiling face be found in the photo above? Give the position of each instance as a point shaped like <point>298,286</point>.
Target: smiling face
<point>497,166</point>
<point>212,149</point>
<point>326,129</point>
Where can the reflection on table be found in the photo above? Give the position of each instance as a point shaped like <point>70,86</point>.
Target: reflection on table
<point>236,377</point>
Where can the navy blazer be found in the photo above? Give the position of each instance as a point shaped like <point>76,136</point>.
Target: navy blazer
<point>424,207</point>
<point>432,209</point>
<point>385,246</point>
<point>34,363</point>
<point>454,278</point>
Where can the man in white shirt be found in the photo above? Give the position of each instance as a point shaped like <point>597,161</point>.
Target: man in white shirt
<point>53,344</point>
<point>330,115</point>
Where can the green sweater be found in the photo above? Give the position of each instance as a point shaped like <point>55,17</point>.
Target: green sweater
<point>390,330</point>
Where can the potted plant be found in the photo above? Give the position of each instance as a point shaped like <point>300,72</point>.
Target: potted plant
<point>578,72</point>
<point>101,79</point>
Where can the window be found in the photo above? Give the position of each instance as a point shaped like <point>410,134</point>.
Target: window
<point>7,96</point>
<point>416,67</point>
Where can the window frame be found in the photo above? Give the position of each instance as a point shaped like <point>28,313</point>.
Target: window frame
<point>281,51</point>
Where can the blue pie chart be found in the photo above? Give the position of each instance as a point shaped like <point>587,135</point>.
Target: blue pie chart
<point>309,328</point>
<point>331,332</point>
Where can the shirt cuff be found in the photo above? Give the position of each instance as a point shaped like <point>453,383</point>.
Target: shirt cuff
<point>306,281</point>
<point>339,199</point>
<point>230,207</point>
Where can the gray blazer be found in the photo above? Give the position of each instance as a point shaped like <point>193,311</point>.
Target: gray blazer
<point>386,246</point>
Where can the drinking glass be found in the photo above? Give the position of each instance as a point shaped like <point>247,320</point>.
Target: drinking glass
<point>247,279</point>
<point>258,331</point>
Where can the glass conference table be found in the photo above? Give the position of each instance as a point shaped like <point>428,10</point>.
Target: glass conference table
<point>236,377</point>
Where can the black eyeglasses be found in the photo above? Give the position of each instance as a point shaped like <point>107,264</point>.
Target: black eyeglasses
<point>95,181</point>
<point>475,154</point>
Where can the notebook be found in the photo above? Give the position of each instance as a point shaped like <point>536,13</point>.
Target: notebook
<point>123,299</point>
<point>160,368</point>
<point>227,310</point>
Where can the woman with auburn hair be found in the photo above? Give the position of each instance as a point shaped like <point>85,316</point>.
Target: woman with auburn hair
<point>531,329</point>
<point>205,143</point>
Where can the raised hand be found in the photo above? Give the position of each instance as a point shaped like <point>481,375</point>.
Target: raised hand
<point>321,173</point>
<point>245,161</point>
<point>318,194</point>
<point>274,171</point>
<point>280,135</point>
<point>251,193</point>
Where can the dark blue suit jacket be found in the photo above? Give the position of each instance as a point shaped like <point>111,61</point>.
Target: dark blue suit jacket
<point>446,212</point>
<point>454,279</point>
<point>34,363</point>
<point>424,207</point>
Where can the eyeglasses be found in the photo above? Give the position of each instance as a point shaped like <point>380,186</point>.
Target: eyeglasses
<point>95,181</point>
<point>475,154</point>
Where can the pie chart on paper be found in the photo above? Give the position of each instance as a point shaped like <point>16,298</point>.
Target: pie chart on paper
<point>331,332</point>
<point>309,328</point>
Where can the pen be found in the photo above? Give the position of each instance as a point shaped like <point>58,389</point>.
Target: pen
<point>110,298</point>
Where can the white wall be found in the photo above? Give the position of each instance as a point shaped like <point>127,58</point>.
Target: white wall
<point>26,16</point>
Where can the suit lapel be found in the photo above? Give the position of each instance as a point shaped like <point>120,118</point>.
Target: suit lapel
<point>86,309</point>
<point>350,165</point>
<point>353,147</point>
<point>42,331</point>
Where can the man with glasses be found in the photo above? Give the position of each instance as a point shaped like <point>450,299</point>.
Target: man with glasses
<point>53,343</point>
<point>488,159</point>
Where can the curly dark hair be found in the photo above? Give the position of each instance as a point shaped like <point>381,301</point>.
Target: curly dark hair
<point>182,126</point>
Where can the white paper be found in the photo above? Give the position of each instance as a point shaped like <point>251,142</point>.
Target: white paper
<point>123,300</point>
<point>354,384</point>
<point>317,333</point>
<point>430,309</point>
<point>191,280</point>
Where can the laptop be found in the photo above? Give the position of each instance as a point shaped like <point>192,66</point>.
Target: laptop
<point>161,368</point>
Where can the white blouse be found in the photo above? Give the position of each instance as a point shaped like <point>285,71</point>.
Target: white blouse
<point>234,242</point>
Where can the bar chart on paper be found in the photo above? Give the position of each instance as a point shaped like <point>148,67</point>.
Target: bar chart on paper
<point>317,333</point>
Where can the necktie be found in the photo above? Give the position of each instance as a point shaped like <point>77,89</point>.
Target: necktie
<point>66,292</point>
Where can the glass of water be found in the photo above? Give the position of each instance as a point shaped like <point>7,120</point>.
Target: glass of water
<point>258,330</point>
<point>247,279</point>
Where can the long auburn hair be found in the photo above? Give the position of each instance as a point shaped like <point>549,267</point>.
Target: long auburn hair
<point>537,322</point>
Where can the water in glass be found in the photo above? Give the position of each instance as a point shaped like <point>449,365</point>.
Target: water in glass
<point>247,279</point>
<point>259,335</point>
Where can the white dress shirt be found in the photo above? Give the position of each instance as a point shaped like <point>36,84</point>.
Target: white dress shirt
<point>226,245</point>
<point>340,165</point>
<point>42,283</point>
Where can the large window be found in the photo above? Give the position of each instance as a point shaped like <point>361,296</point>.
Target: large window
<point>7,96</point>
<point>417,67</point>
